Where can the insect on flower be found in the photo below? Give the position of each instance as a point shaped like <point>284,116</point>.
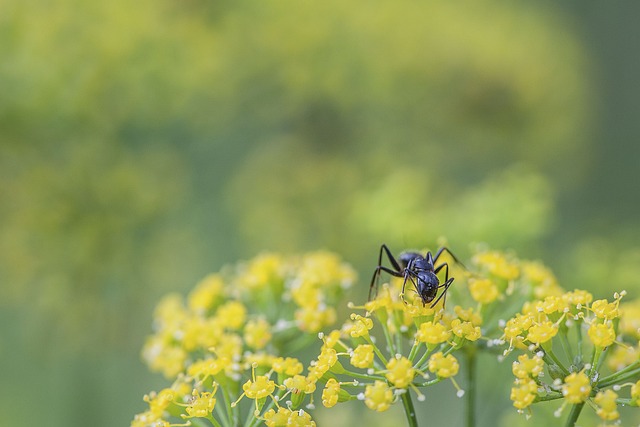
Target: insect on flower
<point>420,270</point>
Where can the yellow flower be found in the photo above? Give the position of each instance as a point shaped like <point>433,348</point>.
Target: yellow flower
<point>378,396</point>
<point>257,333</point>
<point>602,334</point>
<point>607,408</point>
<point>497,264</point>
<point>206,293</point>
<point>543,281</point>
<point>330,393</point>
<point>266,270</point>
<point>158,402</point>
<point>313,319</point>
<point>527,367</point>
<point>483,291</point>
<point>261,387</point>
<point>360,326</point>
<point>299,383</point>
<point>578,298</point>
<point>332,338</point>
<point>465,330</point>
<point>277,419</point>
<point>517,325</point>
<point>401,372</point>
<point>300,418</point>
<point>232,315</point>
<point>635,394</point>
<point>542,332</point>
<point>552,304</point>
<point>433,333</point>
<point>443,367</point>
<point>201,405</point>
<point>468,315</point>
<point>524,392</point>
<point>604,309</point>
<point>289,366</point>
<point>362,356</point>
<point>630,319</point>
<point>576,387</point>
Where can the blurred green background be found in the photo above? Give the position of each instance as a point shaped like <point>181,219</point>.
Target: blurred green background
<point>145,144</point>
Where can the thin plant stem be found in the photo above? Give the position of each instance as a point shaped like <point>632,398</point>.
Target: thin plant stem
<point>574,414</point>
<point>471,386</point>
<point>409,410</point>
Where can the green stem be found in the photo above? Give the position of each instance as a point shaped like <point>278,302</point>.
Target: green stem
<point>619,378</point>
<point>574,414</point>
<point>551,355</point>
<point>409,410</point>
<point>213,421</point>
<point>414,350</point>
<point>471,386</point>
<point>550,396</point>
<point>376,350</point>
<point>613,377</point>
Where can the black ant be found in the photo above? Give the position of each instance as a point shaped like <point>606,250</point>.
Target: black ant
<point>420,270</point>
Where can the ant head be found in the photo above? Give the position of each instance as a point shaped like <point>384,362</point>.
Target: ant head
<point>422,264</point>
<point>405,258</point>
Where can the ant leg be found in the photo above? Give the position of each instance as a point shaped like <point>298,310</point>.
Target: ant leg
<point>445,249</point>
<point>376,273</point>
<point>409,275</point>
<point>446,272</point>
<point>444,293</point>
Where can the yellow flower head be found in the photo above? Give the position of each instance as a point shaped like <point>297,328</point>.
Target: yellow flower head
<point>330,393</point>
<point>542,332</point>
<point>497,264</point>
<point>261,387</point>
<point>433,333</point>
<point>378,396</point>
<point>158,402</point>
<point>360,326</point>
<point>607,408</point>
<point>313,319</point>
<point>266,270</point>
<point>527,367</point>
<point>300,384</point>
<point>300,418</point>
<point>232,314</point>
<point>401,372</point>
<point>516,326</point>
<point>332,338</point>
<point>206,293</point>
<point>465,330</point>
<point>630,319</point>
<point>362,356</point>
<point>576,387</point>
<point>468,315</point>
<point>524,392</point>
<point>605,309</point>
<point>443,367</point>
<point>289,366</point>
<point>201,405</point>
<point>635,394</point>
<point>543,281</point>
<point>578,298</point>
<point>602,334</point>
<point>483,291</point>
<point>257,333</point>
<point>552,304</point>
<point>277,419</point>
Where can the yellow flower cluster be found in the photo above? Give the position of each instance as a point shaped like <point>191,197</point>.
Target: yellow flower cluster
<point>225,330</point>
<point>559,322</point>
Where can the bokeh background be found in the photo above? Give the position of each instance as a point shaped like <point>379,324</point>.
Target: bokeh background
<point>145,144</point>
